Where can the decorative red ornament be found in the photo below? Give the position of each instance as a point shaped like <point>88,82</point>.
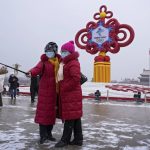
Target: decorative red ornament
<point>99,58</point>
<point>107,36</point>
<point>107,58</point>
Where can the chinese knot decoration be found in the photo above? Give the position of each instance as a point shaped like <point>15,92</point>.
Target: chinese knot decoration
<point>104,36</point>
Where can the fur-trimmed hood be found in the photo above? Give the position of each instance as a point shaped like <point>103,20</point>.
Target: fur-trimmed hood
<point>70,57</point>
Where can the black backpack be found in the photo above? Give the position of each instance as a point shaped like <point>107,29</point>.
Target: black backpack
<point>83,78</point>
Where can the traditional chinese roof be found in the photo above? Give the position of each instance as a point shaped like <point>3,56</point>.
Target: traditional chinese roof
<point>145,72</point>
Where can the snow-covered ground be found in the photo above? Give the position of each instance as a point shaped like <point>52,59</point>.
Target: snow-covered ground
<point>106,126</point>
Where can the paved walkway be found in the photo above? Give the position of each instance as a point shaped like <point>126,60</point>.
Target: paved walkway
<point>106,126</point>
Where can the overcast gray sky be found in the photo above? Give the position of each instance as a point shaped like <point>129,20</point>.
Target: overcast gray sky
<point>26,26</point>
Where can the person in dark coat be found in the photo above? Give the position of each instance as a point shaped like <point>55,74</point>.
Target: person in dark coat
<point>46,105</point>
<point>13,81</point>
<point>34,87</point>
<point>18,88</point>
<point>97,95</point>
<point>70,101</point>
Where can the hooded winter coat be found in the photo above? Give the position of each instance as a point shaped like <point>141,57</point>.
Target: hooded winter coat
<point>13,80</point>
<point>70,101</point>
<point>46,106</point>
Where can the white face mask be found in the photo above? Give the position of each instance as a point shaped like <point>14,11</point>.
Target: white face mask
<point>64,54</point>
<point>50,54</point>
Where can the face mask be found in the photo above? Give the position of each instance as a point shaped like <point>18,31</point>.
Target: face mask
<point>50,54</point>
<point>64,54</point>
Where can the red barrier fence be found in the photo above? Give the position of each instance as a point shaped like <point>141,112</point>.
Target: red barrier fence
<point>103,98</point>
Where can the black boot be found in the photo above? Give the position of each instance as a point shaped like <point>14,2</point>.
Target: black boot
<point>51,138</point>
<point>43,132</point>
<point>67,132</point>
<point>42,140</point>
<point>78,136</point>
<point>76,142</point>
<point>32,100</point>
<point>49,133</point>
<point>61,144</point>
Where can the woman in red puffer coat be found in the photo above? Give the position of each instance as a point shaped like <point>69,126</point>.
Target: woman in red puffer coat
<point>47,94</point>
<point>70,102</point>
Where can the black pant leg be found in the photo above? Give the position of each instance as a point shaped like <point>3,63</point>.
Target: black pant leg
<point>43,131</point>
<point>49,129</point>
<point>78,130</point>
<point>67,132</point>
<point>1,102</point>
<point>36,91</point>
<point>32,94</point>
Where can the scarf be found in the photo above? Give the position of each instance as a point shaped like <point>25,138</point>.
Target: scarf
<point>60,72</point>
<point>55,62</point>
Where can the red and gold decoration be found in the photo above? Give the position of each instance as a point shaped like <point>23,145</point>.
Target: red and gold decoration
<point>104,35</point>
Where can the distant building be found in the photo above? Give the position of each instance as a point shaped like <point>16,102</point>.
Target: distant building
<point>129,81</point>
<point>144,77</point>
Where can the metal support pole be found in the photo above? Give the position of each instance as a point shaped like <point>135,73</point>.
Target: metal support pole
<point>107,95</point>
<point>145,100</point>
